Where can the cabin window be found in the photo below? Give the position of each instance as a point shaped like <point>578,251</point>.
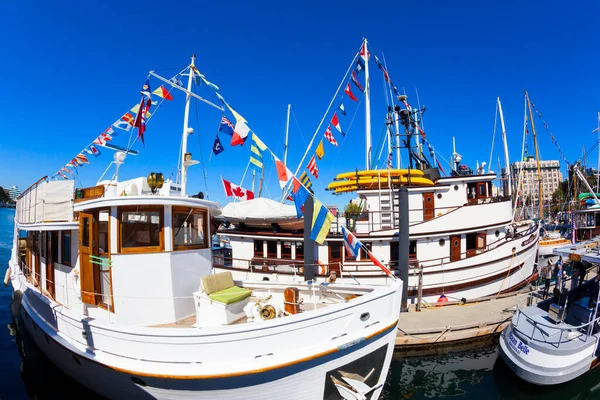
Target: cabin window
<point>286,250</point>
<point>66,248</point>
<point>412,249</point>
<point>54,246</point>
<point>363,252</point>
<point>271,249</point>
<point>189,228</point>
<point>259,250</point>
<point>102,274</point>
<point>481,190</point>
<point>471,243</point>
<point>299,250</point>
<point>103,230</point>
<point>141,229</point>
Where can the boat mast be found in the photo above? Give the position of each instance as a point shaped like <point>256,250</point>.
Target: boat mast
<point>598,167</point>
<point>186,130</point>
<point>537,157</point>
<point>287,129</point>
<point>367,107</point>
<point>507,163</point>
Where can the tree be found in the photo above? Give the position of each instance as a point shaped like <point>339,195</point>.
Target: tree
<point>4,197</point>
<point>352,210</point>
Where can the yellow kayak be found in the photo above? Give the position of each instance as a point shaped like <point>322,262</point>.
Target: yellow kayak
<point>379,172</point>
<point>375,182</point>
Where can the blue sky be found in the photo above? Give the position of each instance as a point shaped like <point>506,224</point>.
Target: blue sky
<point>73,68</point>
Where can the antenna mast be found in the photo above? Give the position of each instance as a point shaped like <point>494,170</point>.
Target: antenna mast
<point>367,107</point>
<point>186,131</point>
<point>287,129</point>
<point>509,184</point>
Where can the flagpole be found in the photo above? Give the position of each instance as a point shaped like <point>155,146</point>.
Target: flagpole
<point>367,108</point>
<point>186,131</point>
<point>287,129</point>
<point>253,178</point>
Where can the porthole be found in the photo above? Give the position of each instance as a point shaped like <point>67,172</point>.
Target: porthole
<point>429,199</point>
<point>365,316</point>
<point>439,195</point>
<point>455,187</point>
<point>442,242</point>
<point>456,243</point>
<point>497,233</point>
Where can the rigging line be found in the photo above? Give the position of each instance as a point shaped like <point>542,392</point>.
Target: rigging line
<point>419,105</point>
<point>349,127</point>
<point>204,173</point>
<point>243,176</point>
<point>299,130</point>
<point>493,139</point>
<point>326,112</point>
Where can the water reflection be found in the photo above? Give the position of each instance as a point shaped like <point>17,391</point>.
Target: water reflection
<point>42,379</point>
<point>476,375</point>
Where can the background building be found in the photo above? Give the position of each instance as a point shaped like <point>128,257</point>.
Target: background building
<point>14,192</point>
<point>550,175</point>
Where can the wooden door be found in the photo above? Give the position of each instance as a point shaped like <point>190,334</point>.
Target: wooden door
<point>86,249</point>
<point>455,248</point>
<point>428,206</point>
<point>335,256</point>
<point>49,265</point>
<point>37,274</point>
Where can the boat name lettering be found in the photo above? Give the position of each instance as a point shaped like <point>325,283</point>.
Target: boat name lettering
<point>517,345</point>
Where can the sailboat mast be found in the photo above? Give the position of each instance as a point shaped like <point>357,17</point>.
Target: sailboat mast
<point>537,157</point>
<point>287,129</point>
<point>367,107</point>
<point>506,161</point>
<point>186,130</point>
<point>598,167</point>
<point>253,178</point>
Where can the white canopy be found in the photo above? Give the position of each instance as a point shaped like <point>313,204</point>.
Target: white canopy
<point>259,210</point>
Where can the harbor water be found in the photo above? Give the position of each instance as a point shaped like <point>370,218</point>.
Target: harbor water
<point>477,374</point>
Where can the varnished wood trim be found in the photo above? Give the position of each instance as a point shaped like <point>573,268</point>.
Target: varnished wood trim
<point>146,249</point>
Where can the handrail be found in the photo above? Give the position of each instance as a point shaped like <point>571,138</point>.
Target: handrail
<point>30,188</point>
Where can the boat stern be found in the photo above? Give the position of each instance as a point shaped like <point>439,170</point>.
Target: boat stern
<point>542,366</point>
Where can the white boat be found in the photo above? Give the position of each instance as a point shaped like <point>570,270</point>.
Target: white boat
<point>556,340</point>
<point>116,285</point>
<point>464,242</point>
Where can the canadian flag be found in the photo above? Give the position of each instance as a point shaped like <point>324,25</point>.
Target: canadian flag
<point>232,190</point>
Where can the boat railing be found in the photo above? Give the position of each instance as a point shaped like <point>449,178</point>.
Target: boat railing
<point>549,330</point>
<point>375,220</point>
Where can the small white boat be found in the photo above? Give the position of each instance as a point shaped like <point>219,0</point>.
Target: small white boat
<point>554,341</point>
<point>116,285</point>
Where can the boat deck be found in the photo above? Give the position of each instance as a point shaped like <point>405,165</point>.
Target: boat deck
<point>190,322</point>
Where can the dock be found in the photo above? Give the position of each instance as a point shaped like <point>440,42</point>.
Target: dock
<point>450,327</point>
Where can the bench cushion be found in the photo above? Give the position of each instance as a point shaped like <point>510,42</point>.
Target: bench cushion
<point>216,282</point>
<point>230,295</point>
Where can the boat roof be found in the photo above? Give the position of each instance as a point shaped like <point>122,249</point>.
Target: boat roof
<point>124,201</point>
<point>584,251</point>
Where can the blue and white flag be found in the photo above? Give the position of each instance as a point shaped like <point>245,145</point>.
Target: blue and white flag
<point>342,109</point>
<point>360,65</point>
<point>217,146</point>
<point>226,126</point>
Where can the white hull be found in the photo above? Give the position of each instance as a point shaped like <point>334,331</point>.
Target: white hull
<point>176,370</point>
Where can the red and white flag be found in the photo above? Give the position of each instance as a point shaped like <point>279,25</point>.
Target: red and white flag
<point>336,123</point>
<point>348,91</point>
<point>312,167</point>
<point>283,174</point>
<point>240,133</point>
<point>363,52</point>
<point>329,136</point>
<point>232,190</point>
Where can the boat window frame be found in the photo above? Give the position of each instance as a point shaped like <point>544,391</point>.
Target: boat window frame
<point>191,210</point>
<point>64,261</point>
<point>141,249</point>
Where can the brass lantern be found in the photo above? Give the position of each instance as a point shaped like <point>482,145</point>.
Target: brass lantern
<point>155,181</point>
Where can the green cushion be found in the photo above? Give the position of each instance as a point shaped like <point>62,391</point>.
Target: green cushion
<point>230,295</point>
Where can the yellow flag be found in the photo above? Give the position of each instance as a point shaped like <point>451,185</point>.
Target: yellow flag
<point>320,152</point>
